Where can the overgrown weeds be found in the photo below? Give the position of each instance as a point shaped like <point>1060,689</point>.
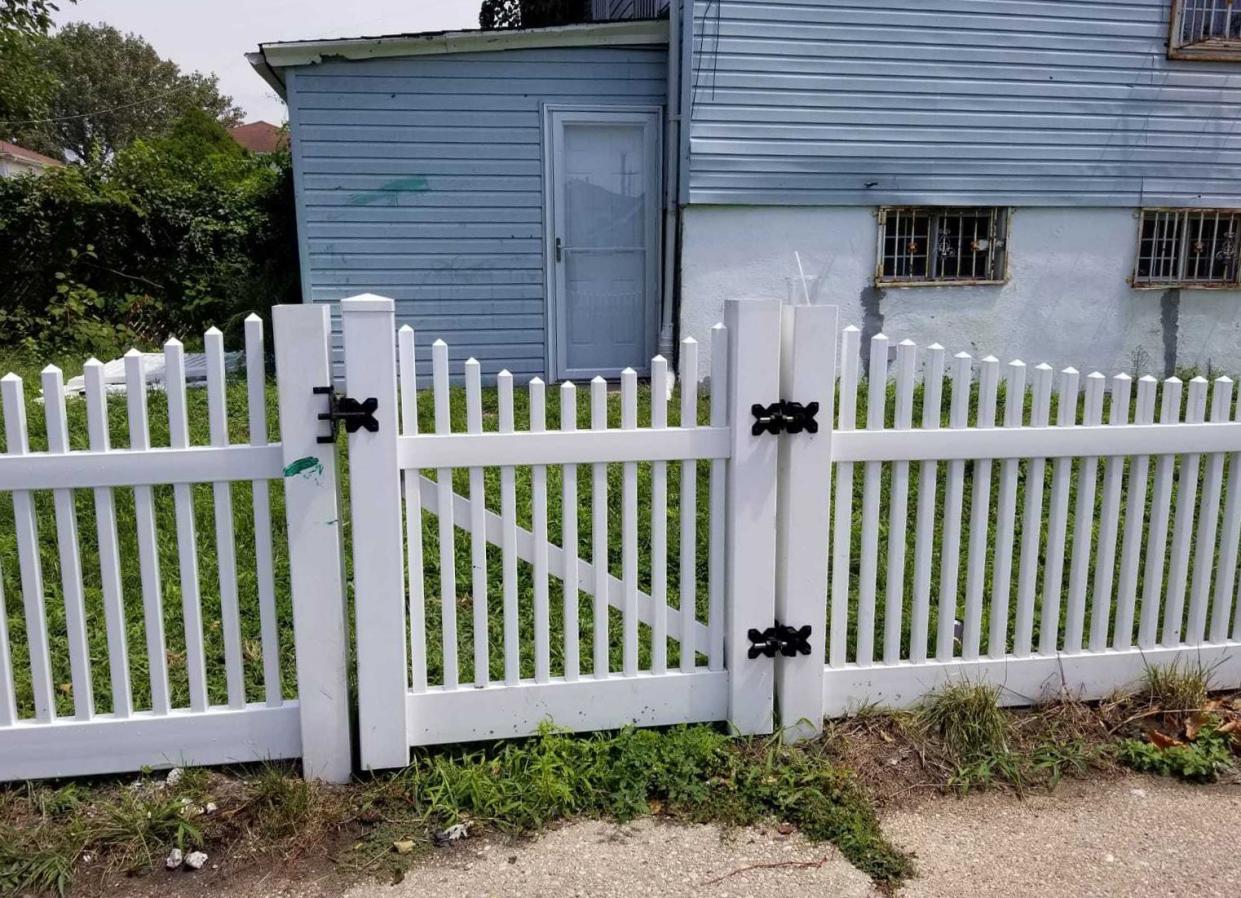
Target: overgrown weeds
<point>967,719</point>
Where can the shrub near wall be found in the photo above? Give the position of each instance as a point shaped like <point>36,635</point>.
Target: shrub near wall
<point>167,236</point>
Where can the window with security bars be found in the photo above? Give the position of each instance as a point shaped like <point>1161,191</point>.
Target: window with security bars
<point>1188,247</point>
<point>934,245</point>
<point>1205,29</point>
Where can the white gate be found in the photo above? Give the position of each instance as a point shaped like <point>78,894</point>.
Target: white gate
<point>526,628</point>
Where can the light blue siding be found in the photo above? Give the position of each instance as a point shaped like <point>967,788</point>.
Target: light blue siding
<point>1028,102</point>
<point>421,178</point>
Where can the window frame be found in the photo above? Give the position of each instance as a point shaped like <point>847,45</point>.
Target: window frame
<point>1180,283</point>
<point>1002,222</point>
<point>1211,50</point>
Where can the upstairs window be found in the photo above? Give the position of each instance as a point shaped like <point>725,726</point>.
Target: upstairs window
<point>1205,29</point>
<point>1188,248</point>
<point>942,245</point>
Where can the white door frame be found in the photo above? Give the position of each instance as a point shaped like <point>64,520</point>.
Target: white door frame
<point>652,117</point>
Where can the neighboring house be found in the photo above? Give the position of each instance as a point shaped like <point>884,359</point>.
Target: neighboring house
<point>1056,181</point>
<point>15,160</point>
<point>260,137</point>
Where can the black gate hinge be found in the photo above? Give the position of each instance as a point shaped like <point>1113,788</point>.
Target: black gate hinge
<point>783,638</point>
<point>356,415</point>
<point>784,416</point>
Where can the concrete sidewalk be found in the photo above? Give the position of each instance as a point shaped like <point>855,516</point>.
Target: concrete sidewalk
<point>1125,837</point>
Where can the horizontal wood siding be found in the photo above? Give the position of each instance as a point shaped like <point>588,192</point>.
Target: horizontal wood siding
<point>422,179</point>
<point>1029,102</point>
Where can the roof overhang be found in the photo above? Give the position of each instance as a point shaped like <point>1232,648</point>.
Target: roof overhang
<point>274,57</point>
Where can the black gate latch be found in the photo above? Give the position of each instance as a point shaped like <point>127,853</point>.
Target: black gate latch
<point>356,415</point>
<point>783,638</point>
<point>784,417</point>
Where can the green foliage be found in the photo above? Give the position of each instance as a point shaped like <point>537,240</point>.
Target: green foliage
<point>27,16</point>
<point>690,773</point>
<point>1202,760</point>
<point>172,234</point>
<point>967,717</point>
<point>1176,687</point>
<point>498,14</point>
<point>111,89</point>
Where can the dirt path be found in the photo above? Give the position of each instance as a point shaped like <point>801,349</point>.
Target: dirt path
<point>1132,836</point>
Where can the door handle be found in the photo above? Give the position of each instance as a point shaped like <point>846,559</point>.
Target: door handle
<point>558,249</point>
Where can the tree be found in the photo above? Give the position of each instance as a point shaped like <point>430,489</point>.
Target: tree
<point>112,89</point>
<point>27,16</point>
<point>499,14</point>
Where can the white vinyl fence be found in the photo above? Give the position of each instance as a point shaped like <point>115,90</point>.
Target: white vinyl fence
<point>143,722</point>
<point>802,540</point>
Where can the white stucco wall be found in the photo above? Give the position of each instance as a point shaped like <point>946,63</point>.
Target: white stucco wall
<point>1066,302</point>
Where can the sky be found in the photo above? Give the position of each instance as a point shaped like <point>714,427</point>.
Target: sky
<point>214,35</point>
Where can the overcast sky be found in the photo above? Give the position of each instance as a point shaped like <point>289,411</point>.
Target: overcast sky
<point>213,35</point>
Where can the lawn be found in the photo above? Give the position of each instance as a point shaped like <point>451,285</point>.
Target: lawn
<point>247,575</point>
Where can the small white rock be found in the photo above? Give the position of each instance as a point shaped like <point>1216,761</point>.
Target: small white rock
<point>174,860</point>
<point>210,807</point>
<point>195,860</point>
<point>1109,859</point>
<point>174,776</point>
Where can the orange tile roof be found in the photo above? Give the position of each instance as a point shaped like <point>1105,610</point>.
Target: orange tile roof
<point>14,151</point>
<point>260,137</point>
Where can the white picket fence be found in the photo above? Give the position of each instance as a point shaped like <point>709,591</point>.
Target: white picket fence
<point>611,575</point>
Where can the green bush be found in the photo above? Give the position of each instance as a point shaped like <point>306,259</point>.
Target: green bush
<point>167,236</point>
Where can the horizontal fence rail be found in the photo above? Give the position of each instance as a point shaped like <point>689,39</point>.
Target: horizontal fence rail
<point>1047,533</point>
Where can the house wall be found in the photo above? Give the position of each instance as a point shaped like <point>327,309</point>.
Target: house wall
<point>1066,301</point>
<point>1021,102</point>
<point>420,178</point>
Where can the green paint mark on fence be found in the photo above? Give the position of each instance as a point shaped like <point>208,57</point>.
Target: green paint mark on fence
<point>307,466</point>
<point>390,193</point>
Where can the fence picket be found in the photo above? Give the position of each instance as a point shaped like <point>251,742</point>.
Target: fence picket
<point>1135,518</point>
<point>687,582</point>
<point>538,485</point>
<point>980,514</point>
<point>28,555</point>
<point>1083,522</point>
<point>1183,528</point>
<point>718,509</point>
<point>928,472</point>
<point>407,373</point>
<point>1058,519</point>
<point>256,402</point>
<point>109,552</point>
<point>478,527</point>
<point>868,572</point>
<point>659,523</point>
<point>8,697</point>
<point>1226,575</point>
<point>842,520</point>
<point>68,552</point>
<point>447,530</point>
<point>1032,518</point>
<point>1109,522</point>
<point>1208,520</point>
<point>954,495</point>
<point>187,540</point>
<point>508,540</point>
<point>1006,515</point>
<point>148,552</point>
<point>898,507</point>
<point>629,526</point>
<point>599,529</point>
<point>568,529</point>
<point>1157,530</point>
<point>226,548</point>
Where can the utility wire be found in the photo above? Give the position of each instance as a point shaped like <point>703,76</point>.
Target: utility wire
<point>67,118</point>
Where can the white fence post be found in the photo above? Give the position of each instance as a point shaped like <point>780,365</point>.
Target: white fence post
<point>750,553</point>
<point>315,571</point>
<point>807,374</point>
<point>369,327</point>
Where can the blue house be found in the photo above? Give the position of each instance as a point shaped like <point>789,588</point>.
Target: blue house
<point>1047,179</point>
